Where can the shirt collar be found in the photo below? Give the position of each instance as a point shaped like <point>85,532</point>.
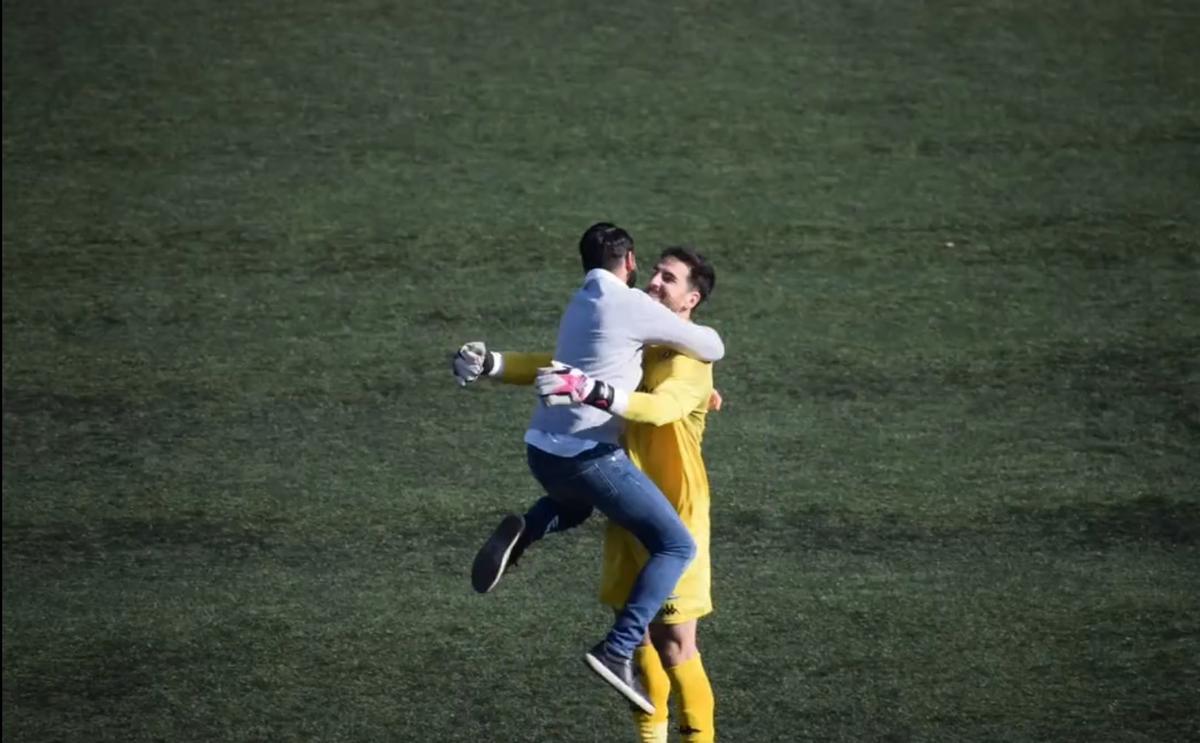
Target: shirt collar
<point>603,274</point>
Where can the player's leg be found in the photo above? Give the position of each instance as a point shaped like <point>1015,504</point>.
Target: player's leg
<point>629,498</point>
<point>676,645</point>
<point>548,516</point>
<point>634,502</point>
<point>605,478</point>
<point>622,558</point>
<point>652,728</point>
<point>509,540</point>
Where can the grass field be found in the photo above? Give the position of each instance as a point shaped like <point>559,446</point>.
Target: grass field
<point>956,482</point>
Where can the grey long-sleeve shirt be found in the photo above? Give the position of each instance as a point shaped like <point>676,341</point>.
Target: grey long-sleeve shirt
<point>603,331</point>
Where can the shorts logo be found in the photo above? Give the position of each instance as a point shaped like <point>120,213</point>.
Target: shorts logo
<point>668,610</point>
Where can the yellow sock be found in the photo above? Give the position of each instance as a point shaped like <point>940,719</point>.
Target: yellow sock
<point>652,728</point>
<point>696,702</point>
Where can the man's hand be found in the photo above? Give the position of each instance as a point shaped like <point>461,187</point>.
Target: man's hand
<point>565,385</point>
<point>715,401</point>
<point>472,361</point>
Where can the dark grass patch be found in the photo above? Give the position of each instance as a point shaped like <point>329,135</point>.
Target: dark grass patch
<point>70,542</point>
<point>130,543</point>
<point>839,530</point>
<point>103,672</point>
<point>1148,520</point>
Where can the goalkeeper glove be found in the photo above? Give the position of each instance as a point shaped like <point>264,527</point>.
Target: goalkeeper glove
<point>565,385</point>
<point>472,361</point>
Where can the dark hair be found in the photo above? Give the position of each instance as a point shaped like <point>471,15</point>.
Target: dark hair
<point>604,245</point>
<point>701,275</point>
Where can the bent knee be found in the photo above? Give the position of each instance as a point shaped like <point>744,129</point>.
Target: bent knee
<point>684,547</point>
<point>673,542</point>
<point>675,643</point>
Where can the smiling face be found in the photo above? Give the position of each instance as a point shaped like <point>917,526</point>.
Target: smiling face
<point>671,285</point>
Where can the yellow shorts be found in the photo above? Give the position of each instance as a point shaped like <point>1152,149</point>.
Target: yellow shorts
<point>624,557</point>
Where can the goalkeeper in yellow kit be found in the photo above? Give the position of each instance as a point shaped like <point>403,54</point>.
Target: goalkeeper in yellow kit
<point>663,434</point>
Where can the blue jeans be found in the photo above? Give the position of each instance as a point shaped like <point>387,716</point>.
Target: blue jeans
<point>603,478</point>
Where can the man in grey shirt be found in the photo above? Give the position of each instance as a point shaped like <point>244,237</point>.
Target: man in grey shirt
<point>574,450</point>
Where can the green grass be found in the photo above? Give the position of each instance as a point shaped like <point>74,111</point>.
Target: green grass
<point>957,481</point>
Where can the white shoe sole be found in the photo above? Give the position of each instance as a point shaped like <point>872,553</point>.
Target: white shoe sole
<point>503,565</point>
<point>626,691</point>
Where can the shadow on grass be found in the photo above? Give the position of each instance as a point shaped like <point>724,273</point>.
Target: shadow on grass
<point>69,542</point>
<point>99,671</point>
<point>840,530</point>
<point>1149,520</point>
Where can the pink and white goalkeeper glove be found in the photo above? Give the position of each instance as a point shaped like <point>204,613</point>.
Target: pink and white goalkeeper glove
<point>565,385</point>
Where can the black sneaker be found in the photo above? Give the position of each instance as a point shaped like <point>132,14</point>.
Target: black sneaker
<point>619,674</point>
<point>496,553</point>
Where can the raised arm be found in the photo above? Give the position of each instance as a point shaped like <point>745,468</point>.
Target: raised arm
<point>687,388</point>
<point>654,324</point>
<point>517,367</point>
<point>474,360</point>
